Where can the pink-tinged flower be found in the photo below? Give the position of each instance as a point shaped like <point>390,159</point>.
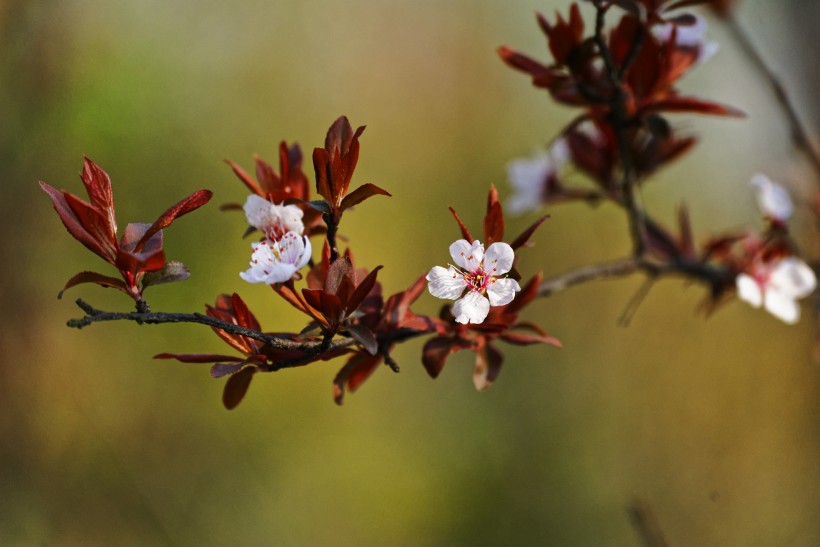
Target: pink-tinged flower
<point>480,273</point>
<point>273,220</point>
<point>277,261</point>
<point>772,199</point>
<point>777,286</point>
<point>531,177</point>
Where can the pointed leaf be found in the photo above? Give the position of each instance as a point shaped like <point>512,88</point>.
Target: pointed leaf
<point>357,369</point>
<point>94,277</point>
<point>198,357</point>
<point>223,369</point>
<point>365,337</point>
<point>494,224</point>
<point>362,290</point>
<point>435,354</point>
<point>182,207</point>
<point>172,271</point>
<point>319,205</point>
<point>98,185</point>
<point>525,236</point>
<point>487,367</point>
<point>236,387</point>
<point>246,178</point>
<point>465,233</point>
<point>72,223</point>
<point>362,193</point>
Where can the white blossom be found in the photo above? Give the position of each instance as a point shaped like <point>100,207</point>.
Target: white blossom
<point>777,287</point>
<point>480,273</point>
<point>273,220</point>
<point>277,261</point>
<point>693,36</point>
<point>772,199</point>
<point>528,176</point>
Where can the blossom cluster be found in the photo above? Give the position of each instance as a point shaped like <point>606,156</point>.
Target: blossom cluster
<point>623,82</point>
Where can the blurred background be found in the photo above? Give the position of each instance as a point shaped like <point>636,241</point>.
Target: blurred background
<point>712,424</point>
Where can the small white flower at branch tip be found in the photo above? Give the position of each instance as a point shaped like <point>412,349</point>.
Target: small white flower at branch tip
<point>273,220</point>
<point>277,261</point>
<point>777,287</point>
<point>480,273</point>
<point>528,176</point>
<point>689,36</point>
<point>772,199</point>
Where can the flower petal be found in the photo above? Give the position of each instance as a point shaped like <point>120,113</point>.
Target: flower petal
<point>257,211</point>
<point>445,283</point>
<point>499,258</point>
<point>748,290</point>
<point>467,256</point>
<point>294,249</point>
<point>782,306</point>
<point>502,291</point>
<point>793,278</point>
<point>772,199</point>
<point>472,308</point>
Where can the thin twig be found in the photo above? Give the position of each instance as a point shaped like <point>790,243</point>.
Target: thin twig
<point>620,120</point>
<point>626,266</point>
<point>799,133</point>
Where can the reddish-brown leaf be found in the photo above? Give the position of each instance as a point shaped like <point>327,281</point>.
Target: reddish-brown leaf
<point>98,185</point>
<point>182,207</point>
<point>525,236</point>
<point>360,194</point>
<point>435,353</point>
<point>487,366</point>
<point>357,369</point>
<point>236,387</point>
<point>246,178</point>
<point>465,233</point>
<point>94,277</point>
<point>198,357</point>
<point>361,291</point>
<point>72,223</point>
<point>698,106</point>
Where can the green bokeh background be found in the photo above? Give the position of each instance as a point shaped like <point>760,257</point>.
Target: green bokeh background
<point>712,424</point>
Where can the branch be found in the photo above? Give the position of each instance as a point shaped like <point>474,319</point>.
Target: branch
<point>799,133</point>
<point>621,268</point>
<point>620,120</point>
<point>312,349</point>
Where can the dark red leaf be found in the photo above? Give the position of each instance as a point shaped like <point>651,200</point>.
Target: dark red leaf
<point>360,194</point>
<point>525,236</point>
<point>94,277</point>
<point>357,369</point>
<point>98,185</point>
<point>73,224</point>
<point>223,369</point>
<point>198,357</point>
<point>487,367</point>
<point>171,272</point>
<point>435,353</point>
<point>93,220</point>
<point>362,290</point>
<point>246,179</point>
<point>698,106</point>
<point>465,233</point>
<point>184,206</point>
<point>340,270</point>
<point>365,337</point>
<point>494,219</point>
<point>236,387</point>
